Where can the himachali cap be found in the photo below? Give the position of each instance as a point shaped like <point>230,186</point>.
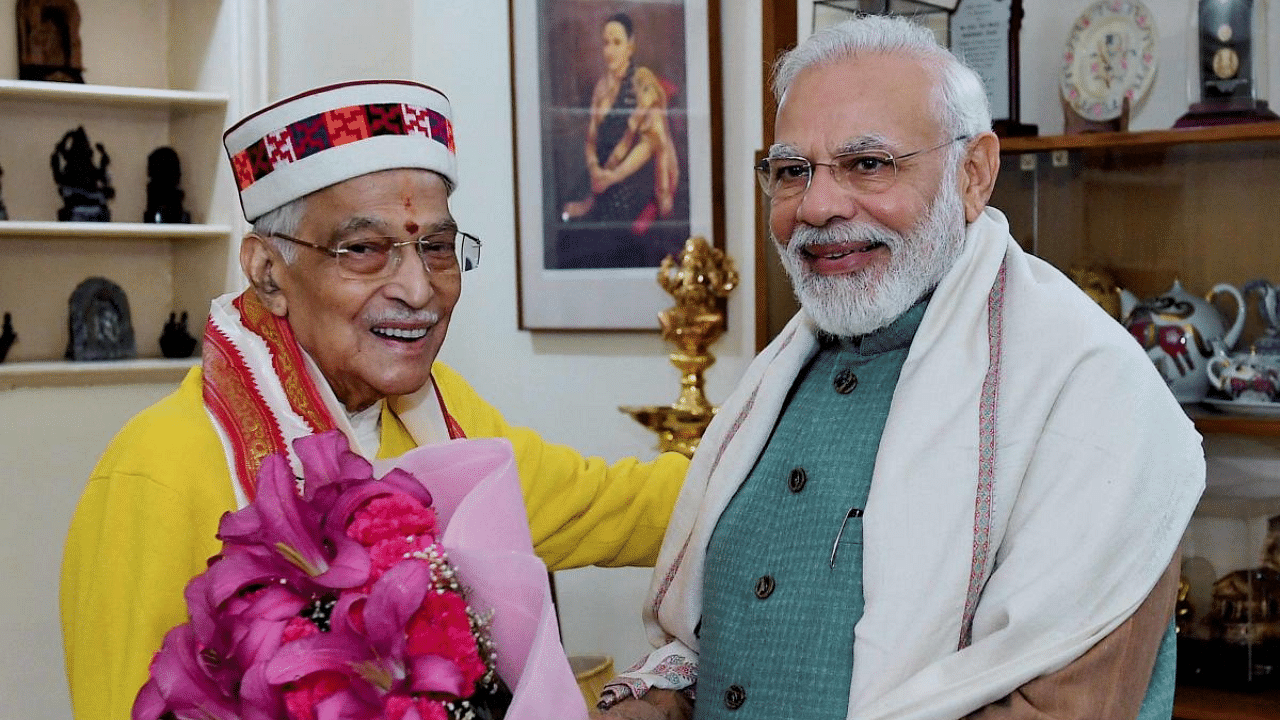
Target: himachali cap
<point>334,133</point>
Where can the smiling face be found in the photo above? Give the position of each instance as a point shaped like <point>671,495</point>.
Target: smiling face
<point>857,259</point>
<point>618,48</point>
<point>370,338</point>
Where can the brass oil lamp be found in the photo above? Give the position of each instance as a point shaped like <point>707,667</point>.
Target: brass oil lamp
<point>699,279</point>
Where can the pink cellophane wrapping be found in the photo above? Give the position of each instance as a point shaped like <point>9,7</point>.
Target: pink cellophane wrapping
<point>476,493</point>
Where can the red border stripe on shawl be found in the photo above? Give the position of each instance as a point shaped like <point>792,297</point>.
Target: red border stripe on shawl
<point>286,360</point>
<point>232,398</point>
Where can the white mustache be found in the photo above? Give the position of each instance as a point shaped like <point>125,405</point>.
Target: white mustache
<point>846,232</point>
<point>421,317</point>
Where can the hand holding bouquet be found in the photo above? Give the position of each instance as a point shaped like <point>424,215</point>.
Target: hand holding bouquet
<point>344,595</point>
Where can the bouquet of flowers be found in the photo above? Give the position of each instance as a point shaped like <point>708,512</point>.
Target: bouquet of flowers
<point>344,594</point>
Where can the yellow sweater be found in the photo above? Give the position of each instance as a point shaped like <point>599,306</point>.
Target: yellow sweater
<point>146,523</point>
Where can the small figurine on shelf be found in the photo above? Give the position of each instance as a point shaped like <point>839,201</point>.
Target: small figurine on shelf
<point>164,199</point>
<point>7,337</point>
<point>85,186</point>
<point>4,214</point>
<point>49,41</point>
<point>175,341</point>
<point>99,326</point>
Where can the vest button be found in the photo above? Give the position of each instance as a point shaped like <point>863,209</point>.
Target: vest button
<point>734,697</point>
<point>797,479</point>
<point>764,586</point>
<point>845,382</point>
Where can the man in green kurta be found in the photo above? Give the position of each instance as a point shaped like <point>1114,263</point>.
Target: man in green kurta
<point>952,486</point>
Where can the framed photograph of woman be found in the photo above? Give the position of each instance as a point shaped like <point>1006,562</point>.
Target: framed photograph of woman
<point>615,165</point>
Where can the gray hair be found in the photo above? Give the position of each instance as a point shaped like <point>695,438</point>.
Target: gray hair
<point>962,101</point>
<point>284,219</point>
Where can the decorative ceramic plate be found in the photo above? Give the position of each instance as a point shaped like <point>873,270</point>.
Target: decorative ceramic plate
<point>1247,408</point>
<point>1110,55</point>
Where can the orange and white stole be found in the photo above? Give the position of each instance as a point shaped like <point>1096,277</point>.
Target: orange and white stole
<point>263,392</point>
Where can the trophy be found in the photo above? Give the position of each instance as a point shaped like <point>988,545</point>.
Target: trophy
<point>1229,64</point>
<point>699,280</point>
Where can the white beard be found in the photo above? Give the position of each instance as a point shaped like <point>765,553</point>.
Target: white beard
<point>854,304</point>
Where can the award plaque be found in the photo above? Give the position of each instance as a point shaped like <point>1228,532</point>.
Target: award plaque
<point>1226,64</point>
<point>984,34</point>
<point>933,14</point>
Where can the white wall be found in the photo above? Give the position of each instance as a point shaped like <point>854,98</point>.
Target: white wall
<point>566,386</point>
<point>49,443</point>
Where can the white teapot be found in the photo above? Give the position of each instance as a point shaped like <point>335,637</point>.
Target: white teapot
<point>1178,331</point>
<point>1244,378</point>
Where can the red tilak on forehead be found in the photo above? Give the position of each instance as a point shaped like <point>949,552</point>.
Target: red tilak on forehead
<point>411,227</point>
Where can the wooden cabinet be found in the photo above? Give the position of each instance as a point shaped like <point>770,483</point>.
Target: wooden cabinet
<point>1206,704</point>
<point>1195,205</point>
<point>157,74</point>
<point>1198,206</point>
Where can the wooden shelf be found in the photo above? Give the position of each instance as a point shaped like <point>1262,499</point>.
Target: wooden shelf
<point>1152,139</point>
<point>64,373</point>
<point>1237,425</point>
<point>28,229</point>
<point>1198,703</point>
<point>33,90</point>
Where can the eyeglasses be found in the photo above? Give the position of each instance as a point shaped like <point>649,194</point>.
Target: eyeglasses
<point>377,257</point>
<point>864,171</point>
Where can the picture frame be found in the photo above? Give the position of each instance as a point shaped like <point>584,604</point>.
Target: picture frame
<point>595,219</point>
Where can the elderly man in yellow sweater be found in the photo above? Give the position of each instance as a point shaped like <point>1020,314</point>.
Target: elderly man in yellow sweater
<point>355,264</point>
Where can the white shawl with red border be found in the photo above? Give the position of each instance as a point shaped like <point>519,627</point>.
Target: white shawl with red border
<point>1033,480</point>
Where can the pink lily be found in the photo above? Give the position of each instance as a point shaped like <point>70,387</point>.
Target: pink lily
<point>237,569</point>
<point>329,464</point>
<point>280,519</point>
<point>181,684</point>
<point>380,657</point>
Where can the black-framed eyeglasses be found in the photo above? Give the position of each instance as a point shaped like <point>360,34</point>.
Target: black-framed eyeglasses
<point>375,257</point>
<point>863,171</point>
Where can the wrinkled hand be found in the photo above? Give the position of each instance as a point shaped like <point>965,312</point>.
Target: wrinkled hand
<point>655,705</point>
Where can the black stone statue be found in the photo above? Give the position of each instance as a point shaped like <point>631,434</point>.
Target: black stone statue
<point>4,214</point>
<point>175,341</point>
<point>164,199</point>
<point>99,326</point>
<point>85,185</point>
<point>7,337</point>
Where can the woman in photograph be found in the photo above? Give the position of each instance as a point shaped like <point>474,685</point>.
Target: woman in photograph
<point>631,159</point>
